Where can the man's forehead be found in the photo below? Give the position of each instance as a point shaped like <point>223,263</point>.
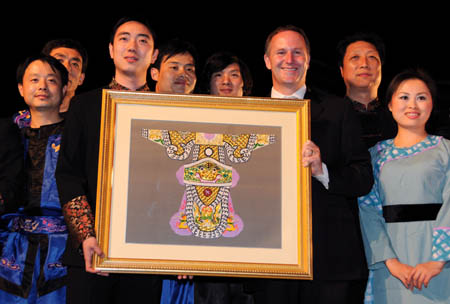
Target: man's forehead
<point>135,28</point>
<point>179,58</point>
<point>361,45</point>
<point>65,52</point>
<point>39,67</point>
<point>129,33</point>
<point>288,39</point>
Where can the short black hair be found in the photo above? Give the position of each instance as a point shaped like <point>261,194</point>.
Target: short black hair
<point>53,62</point>
<point>70,44</point>
<point>174,47</point>
<point>369,37</point>
<point>285,28</point>
<point>126,19</point>
<point>219,61</point>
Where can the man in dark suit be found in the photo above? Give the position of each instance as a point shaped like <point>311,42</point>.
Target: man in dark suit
<point>341,170</point>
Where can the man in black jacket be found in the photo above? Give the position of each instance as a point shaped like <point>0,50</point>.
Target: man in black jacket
<point>132,50</point>
<point>361,57</point>
<point>341,170</point>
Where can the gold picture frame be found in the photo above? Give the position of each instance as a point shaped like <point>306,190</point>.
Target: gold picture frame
<point>138,190</point>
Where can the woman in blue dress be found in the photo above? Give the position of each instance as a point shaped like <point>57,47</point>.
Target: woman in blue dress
<point>405,219</point>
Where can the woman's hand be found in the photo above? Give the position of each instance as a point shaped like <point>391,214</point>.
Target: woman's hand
<point>400,271</point>
<point>423,273</point>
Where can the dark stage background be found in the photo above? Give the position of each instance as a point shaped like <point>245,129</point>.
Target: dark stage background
<point>413,37</point>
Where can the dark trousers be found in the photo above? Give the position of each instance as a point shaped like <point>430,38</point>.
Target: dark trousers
<point>211,290</point>
<point>310,292</point>
<point>88,288</point>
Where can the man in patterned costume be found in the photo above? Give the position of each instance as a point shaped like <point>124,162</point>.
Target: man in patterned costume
<point>33,237</point>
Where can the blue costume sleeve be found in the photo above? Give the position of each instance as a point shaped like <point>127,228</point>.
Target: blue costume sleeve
<point>377,244</point>
<point>441,230</point>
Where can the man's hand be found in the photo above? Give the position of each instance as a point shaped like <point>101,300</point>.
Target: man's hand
<point>90,245</point>
<point>311,157</point>
<point>423,273</point>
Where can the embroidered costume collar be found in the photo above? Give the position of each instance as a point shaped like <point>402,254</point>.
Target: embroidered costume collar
<point>114,85</point>
<point>429,142</point>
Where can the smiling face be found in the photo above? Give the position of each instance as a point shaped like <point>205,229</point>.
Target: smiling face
<point>175,75</point>
<point>132,50</point>
<point>361,66</point>
<point>288,59</point>
<point>41,87</point>
<point>411,105</point>
<point>227,82</point>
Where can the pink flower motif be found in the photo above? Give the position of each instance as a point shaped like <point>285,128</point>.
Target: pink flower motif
<point>209,136</point>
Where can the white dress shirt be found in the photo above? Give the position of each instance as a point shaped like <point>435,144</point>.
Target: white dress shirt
<point>299,94</point>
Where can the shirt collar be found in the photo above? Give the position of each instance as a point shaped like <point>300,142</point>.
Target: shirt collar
<point>371,106</point>
<point>114,85</point>
<point>299,94</point>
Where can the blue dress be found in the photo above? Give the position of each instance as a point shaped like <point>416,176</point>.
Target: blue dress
<point>406,216</point>
<point>33,239</point>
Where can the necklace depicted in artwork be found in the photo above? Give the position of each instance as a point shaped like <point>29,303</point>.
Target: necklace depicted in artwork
<point>206,209</point>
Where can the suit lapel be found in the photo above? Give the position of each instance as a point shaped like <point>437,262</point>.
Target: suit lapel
<point>316,106</point>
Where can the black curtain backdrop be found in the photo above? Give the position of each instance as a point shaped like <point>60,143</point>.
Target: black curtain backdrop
<point>413,37</point>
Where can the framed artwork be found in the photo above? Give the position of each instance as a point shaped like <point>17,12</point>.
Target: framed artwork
<point>204,185</point>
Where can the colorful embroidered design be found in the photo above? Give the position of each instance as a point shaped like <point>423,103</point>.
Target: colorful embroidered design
<point>207,171</point>
<point>79,218</point>
<point>55,148</point>
<point>22,119</point>
<point>114,85</point>
<point>9,264</point>
<point>206,209</point>
<point>38,224</point>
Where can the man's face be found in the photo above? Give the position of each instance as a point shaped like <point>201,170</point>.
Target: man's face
<point>288,59</point>
<point>73,62</point>
<point>133,49</point>
<point>41,87</point>
<point>176,75</point>
<point>361,66</point>
<point>227,82</point>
